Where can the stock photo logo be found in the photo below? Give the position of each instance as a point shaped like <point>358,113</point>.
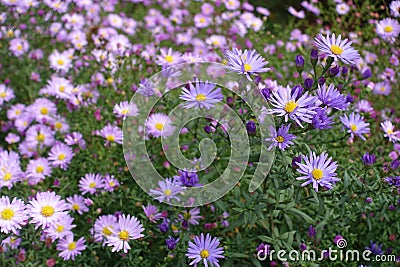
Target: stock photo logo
<point>182,113</point>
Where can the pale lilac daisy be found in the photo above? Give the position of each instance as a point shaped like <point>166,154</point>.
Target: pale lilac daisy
<point>206,250</point>
<point>337,48</point>
<point>191,217</point>
<point>167,191</point>
<point>12,138</point>
<point>395,8</point>
<point>127,228</point>
<point>70,248</point>
<point>363,106</point>
<point>13,215</point>
<point>91,183</point>
<point>159,124</point>
<point>152,213</point>
<point>388,128</point>
<point>342,9</point>
<point>37,170</point>
<point>318,170</point>
<point>388,29</point>
<point>355,125</point>
<point>61,228</point>
<point>19,46</point>
<point>46,209</point>
<point>382,88</point>
<point>111,133</point>
<point>60,61</point>
<point>331,97</point>
<point>110,183</point>
<point>201,95</point>
<point>298,14</point>
<point>246,62</point>
<point>6,94</point>
<point>289,104</point>
<point>60,155</point>
<point>77,204</point>
<point>103,227</point>
<point>123,109</point>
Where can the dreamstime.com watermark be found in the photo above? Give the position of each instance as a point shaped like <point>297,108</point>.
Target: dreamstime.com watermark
<point>332,254</point>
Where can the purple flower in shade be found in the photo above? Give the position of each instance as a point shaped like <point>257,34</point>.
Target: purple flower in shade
<point>349,98</point>
<point>263,250</point>
<point>295,161</point>
<point>281,138</point>
<point>366,74</point>
<point>321,120</point>
<point>375,248</point>
<point>206,250</point>
<point>318,170</point>
<point>167,191</point>
<point>337,239</point>
<point>171,242</point>
<point>91,183</point>
<point>313,56</point>
<point>288,104</point>
<point>13,215</point>
<point>355,125</point>
<point>70,248</point>
<point>127,228</point>
<point>311,232</point>
<point>192,216</point>
<point>152,213</point>
<point>202,95</point>
<point>331,97</point>
<point>395,164</point>
<point>60,155</point>
<point>302,247</point>
<point>186,178</point>
<point>246,62</point>
<point>77,204</point>
<point>368,200</point>
<point>251,127</point>
<point>382,88</point>
<point>164,226</point>
<point>111,133</point>
<point>393,180</point>
<point>334,71</point>
<point>388,128</point>
<point>368,159</point>
<point>145,88</point>
<point>337,48</point>
<point>159,124</point>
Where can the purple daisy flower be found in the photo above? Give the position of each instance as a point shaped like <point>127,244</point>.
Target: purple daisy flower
<point>13,215</point>
<point>382,88</point>
<point>77,204</point>
<point>388,128</point>
<point>388,29</point>
<point>60,155</point>
<point>152,213</point>
<point>355,125</point>
<point>103,227</point>
<point>286,104</point>
<point>318,170</point>
<point>202,95</point>
<point>171,242</point>
<point>337,48</point>
<point>206,250</point>
<point>191,217</point>
<point>90,183</point>
<point>246,62</point>
<point>159,124</point>
<point>186,178</point>
<point>70,248</point>
<point>167,191</point>
<point>331,97</point>
<point>321,120</point>
<point>281,139</point>
<point>111,133</point>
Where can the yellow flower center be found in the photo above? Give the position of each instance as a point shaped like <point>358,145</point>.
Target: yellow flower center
<point>337,50</point>
<point>75,206</point>
<point>47,211</point>
<point>202,20</point>
<point>124,111</point>
<point>72,246</point>
<point>3,95</point>
<point>19,47</point>
<point>61,88</point>
<point>7,214</point>
<point>7,176</point>
<point>187,216</point>
<point>123,235</point>
<point>167,192</point>
<point>280,139</point>
<point>40,137</point>
<point>216,43</point>
<point>353,127</point>
<point>290,106</point>
<point>110,80</point>
<point>247,67</point>
<point>60,62</point>
<point>201,97</point>
<point>39,169</point>
<point>112,184</point>
<point>92,185</point>
<point>61,156</point>
<point>44,111</point>
<point>388,28</point>
<point>110,138</point>
<point>169,58</point>
<point>159,126</point>
<point>58,125</point>
<point>107,231</point>
<point>317,174</point>
<point>17,112</point>
<point>382,89</point>
<point>204,253</point>
<point>60,228</point>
